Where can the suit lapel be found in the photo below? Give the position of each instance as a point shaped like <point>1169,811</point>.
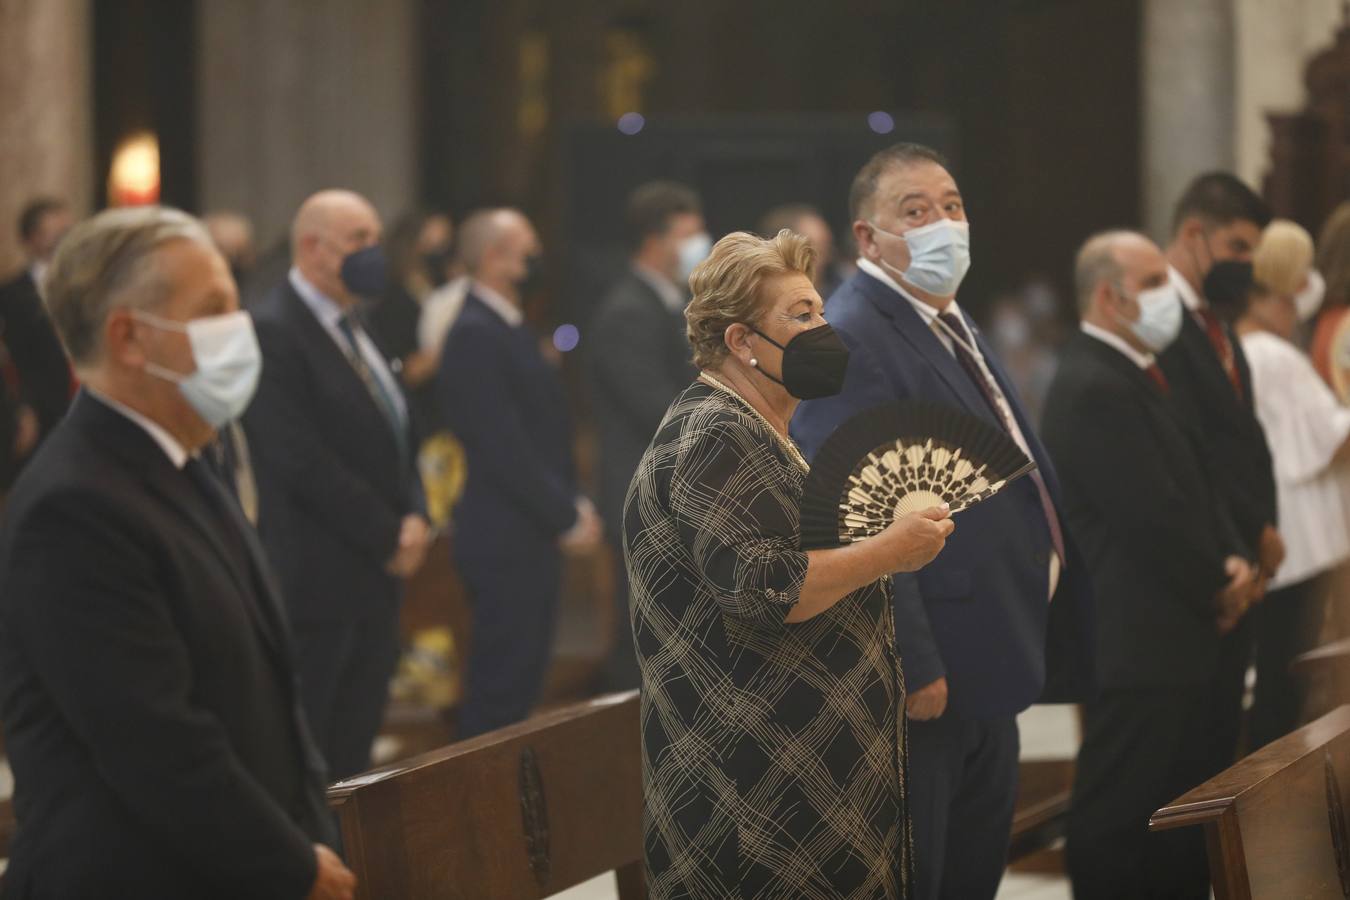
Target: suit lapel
<point>146,460</point>
<point>921,338</point>
<point>333,359</point>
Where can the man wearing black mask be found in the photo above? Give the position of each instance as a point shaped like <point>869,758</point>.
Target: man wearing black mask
<point>340,503</point>
<point>1218,222</point>
<point>521,509</point>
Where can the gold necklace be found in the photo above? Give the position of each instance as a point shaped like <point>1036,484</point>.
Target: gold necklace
<point>793,453</point>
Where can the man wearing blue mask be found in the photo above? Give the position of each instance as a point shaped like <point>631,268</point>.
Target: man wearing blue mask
<point>340,503</point>
<point>638,360</point>
<point>1167,587</point>
<point>150,709</point>
<point>999,620</point>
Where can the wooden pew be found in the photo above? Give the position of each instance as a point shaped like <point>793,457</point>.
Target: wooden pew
<point>523,812</point>
<point>1276,822</point>
<point>1041,812</point>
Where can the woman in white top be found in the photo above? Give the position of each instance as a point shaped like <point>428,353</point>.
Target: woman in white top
<point>1307,430</point>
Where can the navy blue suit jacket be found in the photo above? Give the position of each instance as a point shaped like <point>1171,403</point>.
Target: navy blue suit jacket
<point>333,485</point>
<point>977,615</point>
<point>506,405</point>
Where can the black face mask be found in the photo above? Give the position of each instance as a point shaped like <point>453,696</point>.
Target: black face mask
<point>365,272</point>
<point>533,277</point>
<point>814,363</point>
<point>1228,288</point>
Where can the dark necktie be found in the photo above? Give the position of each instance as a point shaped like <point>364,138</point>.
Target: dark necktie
<point>1223,348</point>
<point>222,503</point>
<point>1155,374</point>
<point>990,393</point>
<point>374,385</point>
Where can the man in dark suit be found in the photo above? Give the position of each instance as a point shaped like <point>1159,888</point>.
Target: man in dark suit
<point>639,360</point>
<point>520,506</point>
<point>25,327</point>
<point>1166,583</point>
<point>339,506</point>
<point>1219,218</point>
<point>972,626</point>
<point>149,703</point>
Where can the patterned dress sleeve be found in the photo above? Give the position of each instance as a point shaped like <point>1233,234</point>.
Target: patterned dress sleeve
<point>736,513</point>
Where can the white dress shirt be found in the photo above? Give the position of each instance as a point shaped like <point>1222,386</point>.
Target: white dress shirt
<point>1189,298</point>
<point>1304,426</point>
<point>930,316</point>
<point>667,290</point>
<point>1115,341</point>
<point>175,451</point>
<point>509,312</point>
<point>439,311</point>
<point>329,314</point>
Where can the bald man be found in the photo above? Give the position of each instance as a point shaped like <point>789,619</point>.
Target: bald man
<point>340,503</point>
<point>1167,585</point>
<point>521,507</point>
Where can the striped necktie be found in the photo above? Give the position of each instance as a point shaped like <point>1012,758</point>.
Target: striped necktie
<point>374,385</point>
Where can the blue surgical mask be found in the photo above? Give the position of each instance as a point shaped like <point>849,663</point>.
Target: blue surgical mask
<point>229,364</point>
<point>693,250</point>
<point>1159,320</point>
<point>939,255</point>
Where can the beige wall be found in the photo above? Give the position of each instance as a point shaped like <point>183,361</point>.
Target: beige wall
<point>1275,39</point>
<point>46,120</point>
<point>296,96</point>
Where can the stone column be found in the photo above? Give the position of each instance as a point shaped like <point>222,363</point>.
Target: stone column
<point>46,122</point>
<point>296,96</point>
<point>1187,51</point>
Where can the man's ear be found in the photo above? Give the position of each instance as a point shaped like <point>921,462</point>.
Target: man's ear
<point>121,340</point>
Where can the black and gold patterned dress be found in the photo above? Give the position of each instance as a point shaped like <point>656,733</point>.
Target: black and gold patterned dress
<point>773,753</point>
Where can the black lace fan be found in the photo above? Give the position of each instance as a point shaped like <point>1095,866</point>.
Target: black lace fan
<point>901,458</point>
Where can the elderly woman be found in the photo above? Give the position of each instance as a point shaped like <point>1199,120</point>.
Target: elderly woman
<point>1308,432</point>
<point>774,753</point>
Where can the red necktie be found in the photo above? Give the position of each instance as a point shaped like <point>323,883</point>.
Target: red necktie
<point>1223,348</point>
<point>1156,375</point>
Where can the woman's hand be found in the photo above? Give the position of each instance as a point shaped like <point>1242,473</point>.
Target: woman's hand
<point>913,541</point>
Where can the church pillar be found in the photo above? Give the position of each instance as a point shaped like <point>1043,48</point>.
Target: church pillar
<point>45,118</point>
<point>298,96</point>
<point>1188,100</point>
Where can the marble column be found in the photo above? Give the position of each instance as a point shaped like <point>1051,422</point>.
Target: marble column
<point>296,96</point>
<point>46,121</point>
<point>1187,64</point>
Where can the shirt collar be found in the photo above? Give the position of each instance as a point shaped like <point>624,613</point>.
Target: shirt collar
<point>1189,298</point>
<point>667,290</point>
<point>38,272</point>
<point>176,452</point>
<point>926,312</point>
<point>325,308</point>
<point>508,311</point>
<point>1142,360</point>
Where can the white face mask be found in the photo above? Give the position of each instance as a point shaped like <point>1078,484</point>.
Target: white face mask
<point>1159,320</point>
<point>1309,300</point>
<point>939,255</point>
<point>229,363</point>
<point>693,250</point>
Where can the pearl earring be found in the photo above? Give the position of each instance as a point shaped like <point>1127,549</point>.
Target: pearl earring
<point>753,361</point>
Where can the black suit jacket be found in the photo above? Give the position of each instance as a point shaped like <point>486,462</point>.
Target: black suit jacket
<point>506,405</point>
<point>148,700</point>
<point>333,486</point>
<point>1139,500</point>
<point>1233,444</point>
<point>639,362</point>
<point>44,374</point>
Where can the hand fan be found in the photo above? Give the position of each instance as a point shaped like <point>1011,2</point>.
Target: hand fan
<point>900,458</point>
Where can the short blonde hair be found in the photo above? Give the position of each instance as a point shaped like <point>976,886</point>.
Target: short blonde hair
<point>106,262</point>
<point>727,286</point>
<point>1282,258</point>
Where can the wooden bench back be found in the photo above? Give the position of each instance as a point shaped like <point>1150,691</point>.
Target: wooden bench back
<point>524,812</point>
<point>1276,822</point>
